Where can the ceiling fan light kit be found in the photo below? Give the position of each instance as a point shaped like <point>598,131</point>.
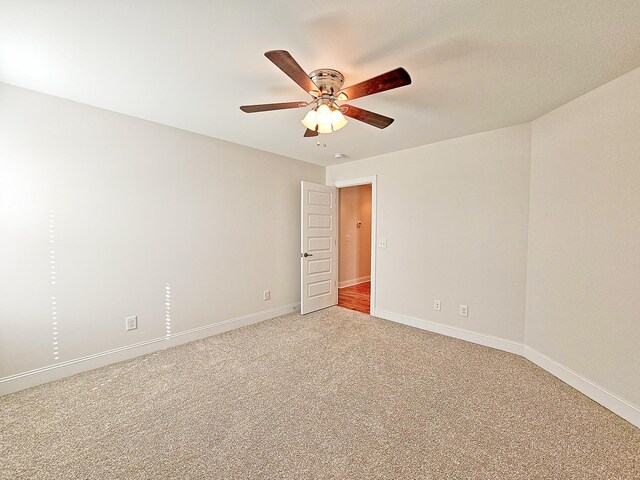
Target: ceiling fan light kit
<point>325,87</point>
<point>325,118</point>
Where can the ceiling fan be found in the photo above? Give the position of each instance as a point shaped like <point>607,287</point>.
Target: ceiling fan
<point>325,86</point>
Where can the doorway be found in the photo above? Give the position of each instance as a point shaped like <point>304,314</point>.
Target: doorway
<point>355,247</point>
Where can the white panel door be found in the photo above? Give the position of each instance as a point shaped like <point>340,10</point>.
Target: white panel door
<point>318,254</point>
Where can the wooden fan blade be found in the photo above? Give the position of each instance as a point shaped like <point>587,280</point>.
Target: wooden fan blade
<point>265,107</point>
<point>285,62</point>
<point>310,133</point>
<point>366,116</point>
<point>387,81</point>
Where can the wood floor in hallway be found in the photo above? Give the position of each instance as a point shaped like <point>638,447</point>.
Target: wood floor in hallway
<point>355,297</point>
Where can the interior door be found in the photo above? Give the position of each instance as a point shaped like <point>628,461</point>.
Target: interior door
<point>318,254</point>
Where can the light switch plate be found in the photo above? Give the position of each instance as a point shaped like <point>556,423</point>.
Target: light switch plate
<point>382,243</point>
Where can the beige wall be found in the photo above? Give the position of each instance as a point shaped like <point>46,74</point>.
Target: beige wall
<point>135,205</point>
<point>454,215</point>
<point>355,242</point>
<point>583,293</point>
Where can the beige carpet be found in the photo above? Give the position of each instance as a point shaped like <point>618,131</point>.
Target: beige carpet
<point>336,394</point>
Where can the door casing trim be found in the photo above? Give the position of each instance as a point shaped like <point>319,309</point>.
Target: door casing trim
<point>354,182</point>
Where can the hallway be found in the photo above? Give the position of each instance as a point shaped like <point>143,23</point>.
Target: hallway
<point>355,297</point>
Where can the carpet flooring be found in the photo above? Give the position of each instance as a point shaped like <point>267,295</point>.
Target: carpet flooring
<point>336,394</point>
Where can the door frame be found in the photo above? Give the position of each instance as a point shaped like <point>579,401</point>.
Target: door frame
<point>354,182</point>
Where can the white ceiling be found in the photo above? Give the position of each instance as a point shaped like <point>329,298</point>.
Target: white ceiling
<point>476,65</point>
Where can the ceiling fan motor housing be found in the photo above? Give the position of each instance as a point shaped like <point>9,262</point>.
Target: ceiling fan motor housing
<point>328,81</point>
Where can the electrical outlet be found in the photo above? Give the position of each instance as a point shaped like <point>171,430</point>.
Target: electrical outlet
<point>436,305</point>
<point>131,323</point>
<point>347,238</point>
<point>266,295</point>
<point>464,311</point>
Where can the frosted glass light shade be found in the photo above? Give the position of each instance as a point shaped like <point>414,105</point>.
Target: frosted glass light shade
<point>324,128</point>
<point>309,120</point>
<point>337,120</point>
<point>324,114</point>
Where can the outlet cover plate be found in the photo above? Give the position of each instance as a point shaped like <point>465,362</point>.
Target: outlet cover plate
<point>131,323</point>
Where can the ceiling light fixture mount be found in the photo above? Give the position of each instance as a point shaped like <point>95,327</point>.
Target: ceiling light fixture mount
<point>327,80</point>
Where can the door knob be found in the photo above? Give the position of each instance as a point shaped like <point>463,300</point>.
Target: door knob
<point>307,255</point>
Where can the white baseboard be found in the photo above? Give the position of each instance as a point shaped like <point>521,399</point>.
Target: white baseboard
<point>38,376</point>
<point>604,397</point>
<point>354,281</point>
<point>473,337</point>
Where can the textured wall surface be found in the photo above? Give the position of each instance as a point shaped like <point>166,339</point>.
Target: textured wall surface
<point>454,215</point>
<point>584,237</point>
<point>104,216</point>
